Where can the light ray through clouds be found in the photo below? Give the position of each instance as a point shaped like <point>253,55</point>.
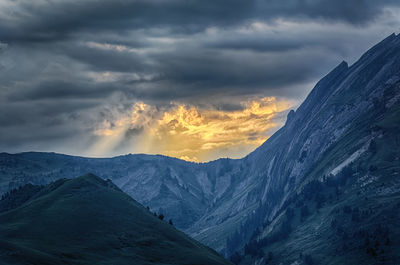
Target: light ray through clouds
<point>196,80</point>
<point>192,133</point>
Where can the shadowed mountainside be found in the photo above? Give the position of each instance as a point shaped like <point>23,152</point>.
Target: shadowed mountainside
<point>237,199</point>
<point>88,220</point>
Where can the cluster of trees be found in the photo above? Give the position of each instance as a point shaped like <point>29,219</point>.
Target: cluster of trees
<point>318,191</point>
<point>235,258</point>
<point>341,178</point>
<point>377,241</point>
<point>251,227</point>
<point>254,247</point>
<point>313,193</point>
<point>244,233</point>
<point>312,197</point>
<point>224,166</point>
<point>16,197</point>
<point>160,216</point>
<point>373,239</point>
<point>308,260</point>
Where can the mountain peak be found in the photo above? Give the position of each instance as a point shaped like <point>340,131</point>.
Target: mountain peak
<point>343,64</point>
<point>94,181</point>
<point>290,116</point>
<point>90,176</point>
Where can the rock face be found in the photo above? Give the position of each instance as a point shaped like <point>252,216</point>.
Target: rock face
<point>337,172</point>
<point>268,176</point>
<point>212,201</point>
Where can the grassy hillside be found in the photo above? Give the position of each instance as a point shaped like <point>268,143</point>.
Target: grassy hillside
<point>90,221</point>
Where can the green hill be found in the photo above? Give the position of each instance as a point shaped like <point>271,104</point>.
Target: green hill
<point>88,220</point>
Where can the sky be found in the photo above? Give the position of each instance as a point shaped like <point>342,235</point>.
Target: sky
<point>196,80</point>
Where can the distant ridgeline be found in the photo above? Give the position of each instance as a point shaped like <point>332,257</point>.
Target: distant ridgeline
<point>324,189</point>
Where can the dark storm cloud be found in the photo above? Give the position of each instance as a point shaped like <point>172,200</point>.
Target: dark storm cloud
<point>60,18</point>
<point>61,90</point>
<point>67,66</point>
<point>204,74</point>
<point>107,60</point>
<point>54,20</point>
<point>59,122</point>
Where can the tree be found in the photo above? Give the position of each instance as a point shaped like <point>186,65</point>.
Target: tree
<point>252,248</point>
<point>334,223</point>
<point>355,216</point>
<point>236,258</point>
<point>285,229</point>
<point>289,213</point>
<point>347,171</point>
<point>345,248</point>
<point>320,199</point>
<point>270,255</point>
<point>308,260</point>
<point>304,211</point>
<point>347,209</point>
<point>232,242</point>
<point>373,168</point>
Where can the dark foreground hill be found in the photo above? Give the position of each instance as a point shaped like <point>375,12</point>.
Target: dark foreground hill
<point>88,220</point>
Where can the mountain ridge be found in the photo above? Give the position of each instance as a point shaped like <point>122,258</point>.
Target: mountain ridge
<point>211,201</point>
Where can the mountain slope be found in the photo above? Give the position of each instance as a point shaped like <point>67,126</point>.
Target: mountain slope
<point>87,220</point>
<point>343,215</point>
<point>179,189</point>
<point>273,172</point>
<point>143,177</point>
<point>231,199</point>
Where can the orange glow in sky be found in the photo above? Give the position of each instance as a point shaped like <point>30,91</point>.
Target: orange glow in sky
<point>191,133</point>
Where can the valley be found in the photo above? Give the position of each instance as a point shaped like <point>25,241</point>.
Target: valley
<point>324,189</point>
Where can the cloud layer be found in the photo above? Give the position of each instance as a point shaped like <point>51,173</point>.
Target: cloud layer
<point>71,68</point>
<point>191,133</point>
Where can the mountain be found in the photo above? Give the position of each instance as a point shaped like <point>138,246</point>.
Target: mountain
<point>179,189</point>
<point>343,215</point>
<point>336,178</point>
<point>333,127</point>
<point>347,126</point>
<point>163,183</point>
<point>88,220</point>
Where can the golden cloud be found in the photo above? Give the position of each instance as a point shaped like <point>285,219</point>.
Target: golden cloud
<point>191,133</point>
